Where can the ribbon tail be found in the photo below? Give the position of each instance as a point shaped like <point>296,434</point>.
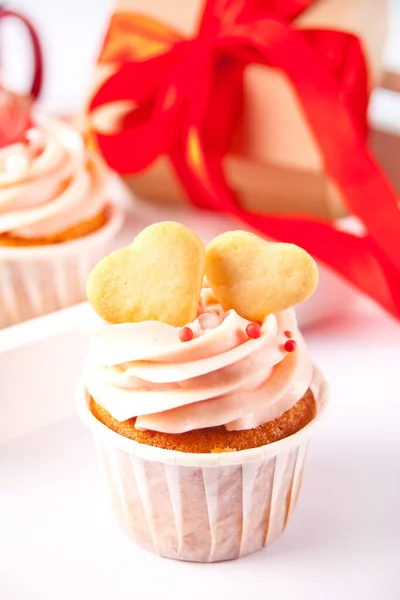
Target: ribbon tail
<point>366,192</point>
<point>354,258</point>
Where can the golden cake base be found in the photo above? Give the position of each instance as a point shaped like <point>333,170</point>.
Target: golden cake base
<point>216,439</point>
<point>73,233</point>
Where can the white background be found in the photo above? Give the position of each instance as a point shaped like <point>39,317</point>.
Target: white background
<point>72,32</point>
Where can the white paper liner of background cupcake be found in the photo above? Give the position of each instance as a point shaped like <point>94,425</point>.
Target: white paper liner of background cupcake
<point>203,507</point>
<point>37,280</point>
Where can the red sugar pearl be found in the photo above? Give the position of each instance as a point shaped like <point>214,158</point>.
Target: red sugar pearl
<point>290,346</point>
<point>185,334</point>
<point>253,330</point>
<point>288,334</point>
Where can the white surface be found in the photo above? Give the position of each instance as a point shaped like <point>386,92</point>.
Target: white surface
<point>58,540</point>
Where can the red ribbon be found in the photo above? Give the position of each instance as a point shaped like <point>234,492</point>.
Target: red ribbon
<point>188,100</point>
<point>37,76</point>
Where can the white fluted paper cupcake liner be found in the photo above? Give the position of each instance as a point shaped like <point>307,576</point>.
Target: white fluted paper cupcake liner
<point>203,507</point>
<point>35,281</point>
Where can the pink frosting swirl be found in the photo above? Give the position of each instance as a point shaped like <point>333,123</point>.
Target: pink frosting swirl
<point>49,182</point>
<point>221,377</point>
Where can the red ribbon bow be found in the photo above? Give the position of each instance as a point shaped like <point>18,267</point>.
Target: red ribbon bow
<point>188,101</point>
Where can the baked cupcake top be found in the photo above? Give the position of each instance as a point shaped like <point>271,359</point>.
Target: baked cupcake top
<point>199,337</point>
<point>49,182</point>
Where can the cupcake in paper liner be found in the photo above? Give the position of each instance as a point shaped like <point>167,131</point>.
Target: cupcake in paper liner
<point>56,220</point>
<point>200,392</point>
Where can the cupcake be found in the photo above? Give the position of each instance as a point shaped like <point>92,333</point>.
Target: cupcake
<point>56,219</point>
<point>199,389</point>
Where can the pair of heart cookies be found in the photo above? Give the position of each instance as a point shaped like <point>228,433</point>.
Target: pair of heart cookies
<point>160,275</point>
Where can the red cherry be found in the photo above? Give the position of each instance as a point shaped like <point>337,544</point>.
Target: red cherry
<point>253,330</point>
<point>288,334</point>
<point>185,334</point>
<point>15,117</point>
<point>290,346</point>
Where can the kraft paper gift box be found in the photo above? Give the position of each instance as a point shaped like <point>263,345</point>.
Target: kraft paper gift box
<point>274,164</point>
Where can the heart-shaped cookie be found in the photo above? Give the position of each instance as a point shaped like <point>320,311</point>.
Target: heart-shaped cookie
<point>256,277</point>
<point>157,278</point>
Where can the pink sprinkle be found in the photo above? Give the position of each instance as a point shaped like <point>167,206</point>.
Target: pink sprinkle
<point>185,334</point>
<point>290,346</point>
<point>253,330</point>
<point>209,320</point>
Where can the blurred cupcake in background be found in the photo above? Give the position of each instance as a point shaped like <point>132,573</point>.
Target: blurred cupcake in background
<point>56,218</point>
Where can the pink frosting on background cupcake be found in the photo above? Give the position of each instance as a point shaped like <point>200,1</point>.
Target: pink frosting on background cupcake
<point>49,182</point>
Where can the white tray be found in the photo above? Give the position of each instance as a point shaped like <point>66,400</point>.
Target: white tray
<point>58,540</point>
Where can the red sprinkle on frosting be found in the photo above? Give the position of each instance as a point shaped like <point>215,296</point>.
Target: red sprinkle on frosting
<point>253,330</point>
<point>185,334</point>
<point>290,346</point>
<point>288,334</point>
